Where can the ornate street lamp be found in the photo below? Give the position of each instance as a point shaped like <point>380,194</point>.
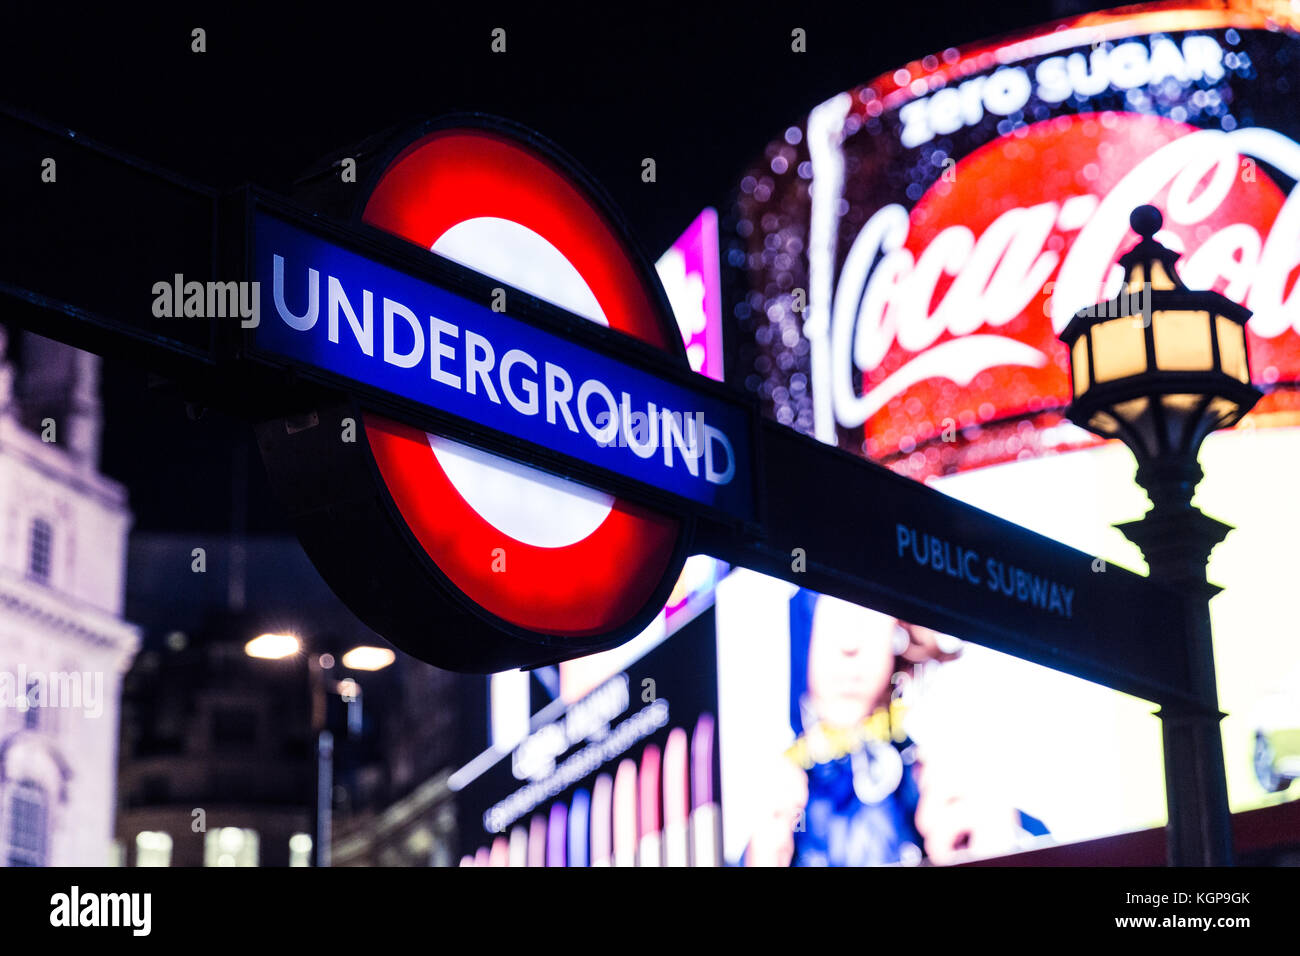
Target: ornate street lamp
<point>1159,367</point>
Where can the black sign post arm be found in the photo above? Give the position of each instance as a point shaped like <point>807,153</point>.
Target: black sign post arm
<point>90,233</point>
<point>852,529</point>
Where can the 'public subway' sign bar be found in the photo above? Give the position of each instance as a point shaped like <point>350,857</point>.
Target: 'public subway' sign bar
<point>999,576</point>
<point>329,308</point>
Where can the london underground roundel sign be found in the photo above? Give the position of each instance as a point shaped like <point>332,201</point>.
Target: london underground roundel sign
<point>481,562</point>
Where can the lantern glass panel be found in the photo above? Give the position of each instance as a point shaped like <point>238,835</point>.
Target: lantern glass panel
<point>1180,403</point>
<point>1136,279</point>
<point>1159,277</point>
<point>1103,422</point>
<point>1118,349</point>
<point>1182,341</point>
<point>1224,410</point>
<point>1142,425</point>
<point>1232,349</point>
<point>1133,410</point>
<point>1080,365</point>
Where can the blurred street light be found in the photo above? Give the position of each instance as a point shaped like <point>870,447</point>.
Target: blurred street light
<point>273,647</point>
<point>366,658</point>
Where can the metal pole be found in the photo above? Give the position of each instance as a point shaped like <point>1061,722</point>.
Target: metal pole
<point>323,765</point>
<point>324,796</point>
<point>1177,539</point>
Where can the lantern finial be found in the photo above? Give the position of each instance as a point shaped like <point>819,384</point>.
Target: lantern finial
<point>1146,221</point>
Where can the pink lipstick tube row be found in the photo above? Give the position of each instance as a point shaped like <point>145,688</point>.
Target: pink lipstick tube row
<point>662,813</point>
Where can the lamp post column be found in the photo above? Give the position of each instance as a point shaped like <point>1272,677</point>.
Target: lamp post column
<point>1176,538</point>
<point>323,765</point>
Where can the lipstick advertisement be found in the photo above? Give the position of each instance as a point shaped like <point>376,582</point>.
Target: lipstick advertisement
<point>621,774</point>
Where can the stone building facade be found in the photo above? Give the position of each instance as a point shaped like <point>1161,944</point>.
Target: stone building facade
<point>64,644</point>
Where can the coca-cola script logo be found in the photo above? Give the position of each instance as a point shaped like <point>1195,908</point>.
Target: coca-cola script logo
<point>950,313</point>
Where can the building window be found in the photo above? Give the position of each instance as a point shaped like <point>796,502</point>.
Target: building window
<point>230,846</point>
<point>300,850</point>
<point>153,848</point>
<point>28,819</point>
<point>40,558</point>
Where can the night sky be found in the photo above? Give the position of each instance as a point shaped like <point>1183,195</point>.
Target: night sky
<point>701,88</point>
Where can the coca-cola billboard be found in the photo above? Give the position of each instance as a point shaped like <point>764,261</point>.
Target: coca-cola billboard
<point>910,251</point>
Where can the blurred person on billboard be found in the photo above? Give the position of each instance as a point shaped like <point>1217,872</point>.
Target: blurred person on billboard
<point>853,789</point>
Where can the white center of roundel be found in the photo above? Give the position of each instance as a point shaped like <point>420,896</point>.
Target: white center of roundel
<point>515,254</point>
<point>531,506</point>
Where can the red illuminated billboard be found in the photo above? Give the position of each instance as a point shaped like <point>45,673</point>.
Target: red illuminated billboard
<point>913,248</point>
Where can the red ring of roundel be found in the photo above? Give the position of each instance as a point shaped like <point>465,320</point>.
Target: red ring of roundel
<point>595,585</point>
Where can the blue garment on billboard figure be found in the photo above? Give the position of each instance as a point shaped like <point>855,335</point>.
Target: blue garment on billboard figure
<point>841,830</point>
<point>328,308</point>
<point>863,791</point>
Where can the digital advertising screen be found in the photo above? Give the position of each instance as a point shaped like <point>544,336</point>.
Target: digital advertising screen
<point>905,258</point>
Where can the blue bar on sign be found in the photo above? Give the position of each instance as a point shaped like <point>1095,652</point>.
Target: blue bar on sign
<point>331,309</point>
